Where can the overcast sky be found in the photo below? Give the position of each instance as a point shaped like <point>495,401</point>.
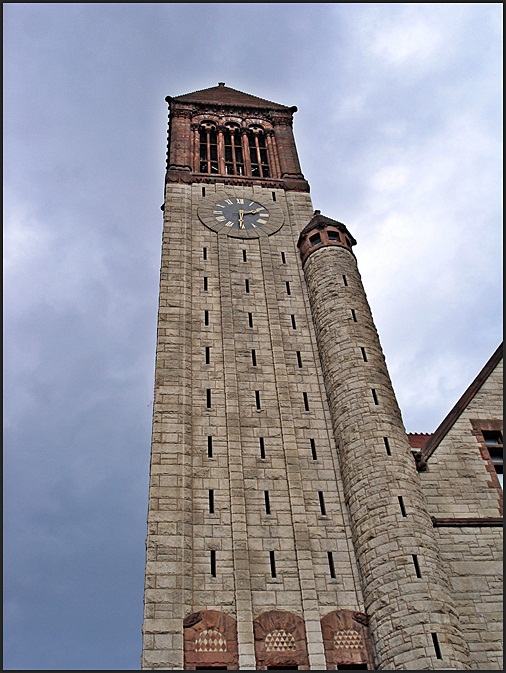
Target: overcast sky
<point>399,134</point>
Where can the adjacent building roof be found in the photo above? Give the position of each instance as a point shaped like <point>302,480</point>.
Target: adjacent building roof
<point>448,422</point>
<point>417,440</point>
<point>224,95</point>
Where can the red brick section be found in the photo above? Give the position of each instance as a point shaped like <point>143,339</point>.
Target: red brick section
<point>280,640</point>
<point>346,639</point>
<point>210,640</point>
<point>417,440</point>
<point>218,102</point>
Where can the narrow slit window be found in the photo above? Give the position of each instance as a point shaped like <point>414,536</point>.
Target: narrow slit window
<point>208,354</point>
<point>204,253</point>
<point>331,565</point>
<point>306,401</point>
<point>364,354</point>
<point>283,258</point>
<point>387,446</point>
<point>208,398</point>
<point>246,284</point>
<point>250,319</point>
<point>345,280</point>
<point>262,447</point>
<point>213,562</point>
<point>257,398</point>
<point>288,291</point>
<point>205,284</point>
<point>267,502</point>
<point>273,196</point>
<point>322,503</point>
<point>437,649</point>
<point>313,449</point>
<point>294,324</point>
<point>206,317</point>
<point>353,315</point>
<point>211,501</point>
<point>254,357</point>
<point>401,505</point>
<point>374,395</point>
<point>209,446</point>
<point>203,191</point>
<point>416,564</point>
<point>244,256</point>
<point>299,360</point>
<point>273,564</point>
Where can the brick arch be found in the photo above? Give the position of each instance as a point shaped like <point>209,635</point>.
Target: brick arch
<point>280,640</point>
<point>346,639</point>
<point>210,641</point>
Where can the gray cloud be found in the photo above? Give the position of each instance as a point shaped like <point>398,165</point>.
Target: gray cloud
<point>398,130</point>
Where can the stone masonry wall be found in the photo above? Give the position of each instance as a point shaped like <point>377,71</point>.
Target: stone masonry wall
<point>458,484</point>
<point>300,454</point>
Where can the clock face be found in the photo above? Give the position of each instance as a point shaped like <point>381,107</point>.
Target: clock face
<point>240,213</point>
<point>240,216</point>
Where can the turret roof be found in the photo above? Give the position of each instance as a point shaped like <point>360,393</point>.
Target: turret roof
<point>319,221</point>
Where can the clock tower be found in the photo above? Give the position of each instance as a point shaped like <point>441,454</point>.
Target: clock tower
<point>286,523</point>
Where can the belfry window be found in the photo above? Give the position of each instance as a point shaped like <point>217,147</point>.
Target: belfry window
<point>232,150</point>
<point>234,163</point>
<point>258,153</point>
<point>208,148</point>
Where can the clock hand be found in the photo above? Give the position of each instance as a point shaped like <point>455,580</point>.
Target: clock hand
<point>252,212</point>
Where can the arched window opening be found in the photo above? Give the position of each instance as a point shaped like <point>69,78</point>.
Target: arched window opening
<point>208,148</point>
<point>234,161</point>
<point>258,152</point>
<point>233,150</point>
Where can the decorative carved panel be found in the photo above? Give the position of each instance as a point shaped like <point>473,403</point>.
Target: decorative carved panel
<point>346,639</point>
<point>280,640</point>
<point>210,640</point>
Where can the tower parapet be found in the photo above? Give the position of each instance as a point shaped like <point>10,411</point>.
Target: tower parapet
<point>406,592</point>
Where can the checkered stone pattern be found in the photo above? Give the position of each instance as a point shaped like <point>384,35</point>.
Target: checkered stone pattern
<point>348,639</point>
<point>211,640</point>
<point>279,641</point>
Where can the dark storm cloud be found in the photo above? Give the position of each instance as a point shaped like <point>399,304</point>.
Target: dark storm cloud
<point>407,157</point>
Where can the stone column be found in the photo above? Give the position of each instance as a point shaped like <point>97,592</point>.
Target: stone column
<point>287,151</point>
<point>245,151</point>
<point>407,596</point>
<point>272,154</point>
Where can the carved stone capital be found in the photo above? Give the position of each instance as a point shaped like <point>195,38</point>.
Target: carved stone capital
<point>179,174</point>
<point>361,618</point>
<point>292,184</point>
<point>420,462</point>
<point>192,619</point>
